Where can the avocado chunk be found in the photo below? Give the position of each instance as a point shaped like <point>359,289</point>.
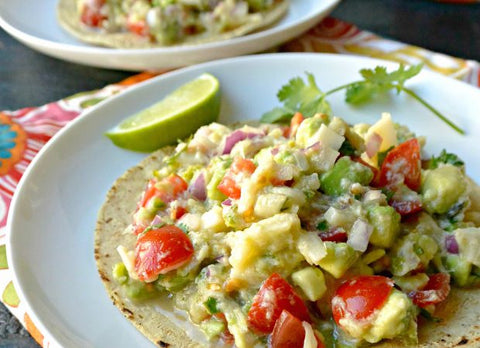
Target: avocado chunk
<point>442,188</point>
<point>339,258</point>
<point>458,268</point>
<point>396,319</point>
<point>344,173</point>
<point>386,225</point>
<point>468,240</point>
<point>411,283</point>
<point>312,282</point>
<point>212,328</point>
<point>412,251</point>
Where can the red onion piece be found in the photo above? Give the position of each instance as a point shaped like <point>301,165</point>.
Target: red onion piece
<point>198,188</point>
<point>360,235</point>
<point>451,244</point>
<point>275,151</point>
<point>315,146</point>
<point>234,138</point>
<point>227,202</point>
<point>157,220</point>
<point>373,144</point>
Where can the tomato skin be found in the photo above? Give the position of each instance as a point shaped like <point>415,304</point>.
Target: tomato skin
<point>138,27</point>
<point>167,189</point>
<point>336,235</point>
<point>161,250</point>
<point>402,164</point>
<point>287,332</point>
<point>91,14</point>
<point>177,212</point>
<point>436,291</point>
<point>229,186</point>
<point>295,122</point>
<point>405,201</point>
<point>406,207</point>
<point>274,296</point>
<point>359,297</point>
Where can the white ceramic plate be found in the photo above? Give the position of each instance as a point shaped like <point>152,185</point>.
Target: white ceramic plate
<point>53,213</point>
<point>34,23</point>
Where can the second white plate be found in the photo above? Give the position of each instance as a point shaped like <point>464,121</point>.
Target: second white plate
<point>34,23</point>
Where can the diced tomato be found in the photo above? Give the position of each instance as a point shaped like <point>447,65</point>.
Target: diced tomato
<point>360,296</point>
<point>406,201</point>
<point>161,250</point>
<point>177,212</point>
<point>406,207</point>
<point>436,290</point>
<point>167,189</point>
<point>229,185</point>
<point>295,122</point>
<point>242,165</point>
<point>92,13</point>
<point>138,27</point>
<point>337,235</point>
<point>275,296</point>
<point>149,193</point>
<point>287,332</point>
<point>226,337</point>
<point>402,165</point>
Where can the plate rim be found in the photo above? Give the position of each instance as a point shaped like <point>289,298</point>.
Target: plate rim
<point>12,212</point>
<point>58,49</point>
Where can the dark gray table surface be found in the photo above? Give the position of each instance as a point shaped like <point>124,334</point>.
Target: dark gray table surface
<point>28,78</point>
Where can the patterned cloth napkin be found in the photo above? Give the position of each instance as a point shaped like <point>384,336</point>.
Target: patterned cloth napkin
<point>24,132</point>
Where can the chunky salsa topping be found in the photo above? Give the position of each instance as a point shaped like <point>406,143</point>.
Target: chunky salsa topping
<point>304,235</point>
<point>171,21</point>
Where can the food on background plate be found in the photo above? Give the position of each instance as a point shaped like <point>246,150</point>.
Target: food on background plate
<point>317,233</point>
<point>159,23</point>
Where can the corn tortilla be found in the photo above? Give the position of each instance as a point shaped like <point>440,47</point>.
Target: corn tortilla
<point>459,314</point>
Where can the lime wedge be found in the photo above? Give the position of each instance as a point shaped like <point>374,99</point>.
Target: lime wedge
<point>177,116</point>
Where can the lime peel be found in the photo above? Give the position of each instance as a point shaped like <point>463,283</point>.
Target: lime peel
<point>176,116</point>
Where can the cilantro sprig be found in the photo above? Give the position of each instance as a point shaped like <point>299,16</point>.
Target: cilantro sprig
<point>297,95</point>
<point>445,157</point>
<point>307,98</point>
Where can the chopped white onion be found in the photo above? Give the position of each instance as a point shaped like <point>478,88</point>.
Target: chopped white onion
<point>359,235</point>
<point>310,340</point>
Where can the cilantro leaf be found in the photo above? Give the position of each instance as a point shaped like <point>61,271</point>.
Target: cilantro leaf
<point>347,149</point>
<point>377,81</point>
<point>427,315</point>
<point>380,77</point>
<point>298,96</point>
<point>297,93</point>
<point>277,115</point>
<point>382,154</point>
<point>211,305</point>
<point>445,157</point>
